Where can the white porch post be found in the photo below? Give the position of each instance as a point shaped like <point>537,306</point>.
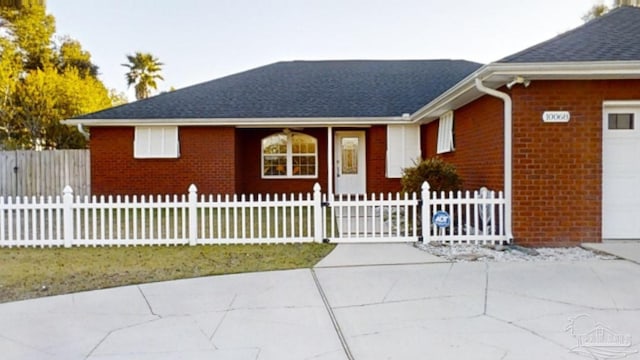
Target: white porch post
<point>329,162</point>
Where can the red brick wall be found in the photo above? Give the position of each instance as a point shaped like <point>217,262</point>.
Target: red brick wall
<point>557,168</point>
<point>217,160</point>
<point>207,159</point>
<point>376,146</point>
<point>478,139</point>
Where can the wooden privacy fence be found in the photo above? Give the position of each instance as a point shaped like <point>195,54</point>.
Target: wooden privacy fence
<point>44,173</point>
<point>74,220</point>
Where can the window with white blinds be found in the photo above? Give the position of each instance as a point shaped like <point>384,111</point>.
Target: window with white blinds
<point>445,133</point>
<point>403,148</point>
<point>156,142</point>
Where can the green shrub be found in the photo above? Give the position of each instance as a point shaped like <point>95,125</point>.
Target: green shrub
<point>441,176</point>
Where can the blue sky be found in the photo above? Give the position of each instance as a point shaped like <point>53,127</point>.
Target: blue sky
<point>200,40</point>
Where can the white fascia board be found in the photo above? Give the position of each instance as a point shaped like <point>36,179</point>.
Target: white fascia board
<point>570,70</point>
<point>244,122</point>
<point>496,75</point>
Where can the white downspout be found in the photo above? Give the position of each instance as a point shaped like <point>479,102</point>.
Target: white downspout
<point>330,162</point>
<point>508,149</point>
<point>83,131</point>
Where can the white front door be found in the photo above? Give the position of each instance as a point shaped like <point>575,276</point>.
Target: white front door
<point>621,172</point>
<point>350,162</point>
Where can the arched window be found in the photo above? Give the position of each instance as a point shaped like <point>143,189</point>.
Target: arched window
<point>289,154</point>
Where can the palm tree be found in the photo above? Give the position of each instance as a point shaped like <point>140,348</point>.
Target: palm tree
<point>144,70</point>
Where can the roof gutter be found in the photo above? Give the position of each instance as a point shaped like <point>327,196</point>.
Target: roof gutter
<point>502,73</point>
<point>508,160</point>
<point>245,122</point>
<point>570,69</point>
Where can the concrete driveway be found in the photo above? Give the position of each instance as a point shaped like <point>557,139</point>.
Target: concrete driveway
<point>391,302</point>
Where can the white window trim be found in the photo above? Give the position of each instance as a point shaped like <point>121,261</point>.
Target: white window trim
<point>445,133</point>
<point>621,107</point>
<point>168,141</point>
<point>290,157</point>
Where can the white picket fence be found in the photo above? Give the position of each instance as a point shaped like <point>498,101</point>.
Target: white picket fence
<point>371,218</point>
<point>193,219</point>
<point>474,217</point>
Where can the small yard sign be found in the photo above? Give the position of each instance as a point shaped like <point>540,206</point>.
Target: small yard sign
<point>441,219</point>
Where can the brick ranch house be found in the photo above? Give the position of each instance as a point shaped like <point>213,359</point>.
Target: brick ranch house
<point>553,126</point>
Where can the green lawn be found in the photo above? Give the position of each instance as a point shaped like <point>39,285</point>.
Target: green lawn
<point>34,272</point>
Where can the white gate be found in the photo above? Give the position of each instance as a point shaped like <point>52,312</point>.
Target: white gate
<point>371,218</point>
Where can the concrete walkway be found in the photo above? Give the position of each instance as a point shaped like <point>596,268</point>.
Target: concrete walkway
<point>417,309</point>
<point>628,250</point>
<point>376,254</point>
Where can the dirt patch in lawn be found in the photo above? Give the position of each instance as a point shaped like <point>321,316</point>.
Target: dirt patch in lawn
<point>28,273</point>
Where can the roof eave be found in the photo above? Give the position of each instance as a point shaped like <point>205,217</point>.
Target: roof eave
<point>245,122</point>
<point>496,75</point>
<point>570,70</point>
<point>441,104</point>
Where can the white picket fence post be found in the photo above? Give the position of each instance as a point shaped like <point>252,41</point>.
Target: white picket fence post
<point>193,215</point>
<point>426,213</point>
<point>67,216</point>
<point>317,216</point>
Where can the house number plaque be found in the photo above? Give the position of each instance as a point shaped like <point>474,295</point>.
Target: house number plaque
<point>556,116</point>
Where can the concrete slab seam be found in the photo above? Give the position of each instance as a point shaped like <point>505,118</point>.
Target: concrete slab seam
<point>596,250</point>
<point>28,346</point>
<point>158,317</point>
<point>400,301</point>
<point>486,287</point>
<point>224,316</point>
<point>332,316</point>
<point>383,264</point>
<point>596,308</point>
<point>532,332</point>
<point>111,332</point>
<point>147,302</point>
<point>604,284</point>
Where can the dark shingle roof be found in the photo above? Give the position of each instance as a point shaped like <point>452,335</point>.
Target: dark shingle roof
<point>305,89</point>
<point>612,37</point>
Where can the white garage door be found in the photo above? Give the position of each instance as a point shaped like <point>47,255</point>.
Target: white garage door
<point>621,171</point>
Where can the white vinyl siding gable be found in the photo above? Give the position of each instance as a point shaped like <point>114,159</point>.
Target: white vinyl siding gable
<point>445,133</point>
<point>153,142</point>
<point>403,148</point>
